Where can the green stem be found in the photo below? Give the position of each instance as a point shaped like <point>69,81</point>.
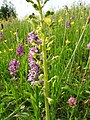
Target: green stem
<point>14,111</point>
<point>40,12</point>
<point>37,103</point>
<point>44,64</point>
<point>45,80</point>
<point>85,115</point>
<point>72,113</point>
<point>89,60</point>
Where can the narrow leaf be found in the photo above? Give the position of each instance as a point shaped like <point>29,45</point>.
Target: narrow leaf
<point>46,1</point>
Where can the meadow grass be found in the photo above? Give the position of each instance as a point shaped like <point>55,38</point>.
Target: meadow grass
<point>68,69</point>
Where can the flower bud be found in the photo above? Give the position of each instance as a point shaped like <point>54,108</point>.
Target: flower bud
<point>88,20</point>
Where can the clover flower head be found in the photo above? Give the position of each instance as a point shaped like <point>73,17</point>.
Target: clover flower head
<point>72,101</point>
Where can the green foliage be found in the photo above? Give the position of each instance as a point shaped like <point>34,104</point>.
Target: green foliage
<point>19,100</point>
<point>49,13</point>
<point>32,16</point>
<point>35,6</point>
<point>7,10</point>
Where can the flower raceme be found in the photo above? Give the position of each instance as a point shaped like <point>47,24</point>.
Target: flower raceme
<point>34,72</point>
<point>20,50</point>
<point>72,101</point>
<point>34,67</point>
<point>14,64</point>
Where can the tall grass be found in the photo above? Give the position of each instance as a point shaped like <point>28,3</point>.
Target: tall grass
<point>68,69</point>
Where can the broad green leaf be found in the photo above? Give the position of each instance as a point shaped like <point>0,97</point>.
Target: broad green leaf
<point>87,91</point>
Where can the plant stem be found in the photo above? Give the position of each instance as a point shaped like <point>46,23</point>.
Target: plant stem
<point>44,65</point>
<point>89,60</point>
<point>37,103</point>
<point>40,12</point>
<point>72,113</point>
<point>45,80</point>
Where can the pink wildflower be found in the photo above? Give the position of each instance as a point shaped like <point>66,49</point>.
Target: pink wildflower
<point>72,101</point>
<point>88,46</point>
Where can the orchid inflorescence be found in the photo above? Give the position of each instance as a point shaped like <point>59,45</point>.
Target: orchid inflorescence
<point>14,64</point>
<point>34,57</point>
<point>34,51</point>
